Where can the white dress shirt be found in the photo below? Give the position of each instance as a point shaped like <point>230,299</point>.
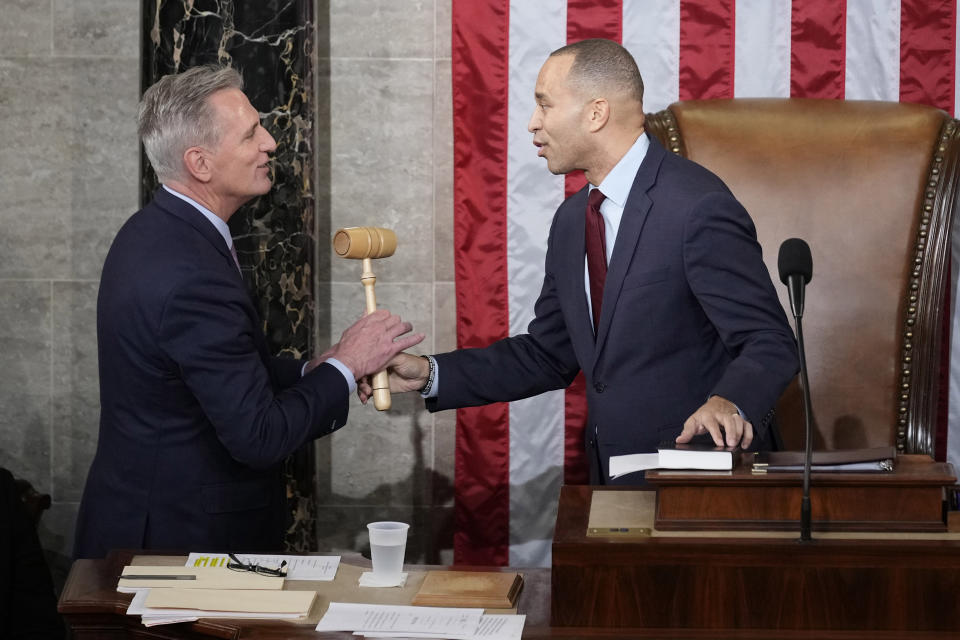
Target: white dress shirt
<point>616,187</point>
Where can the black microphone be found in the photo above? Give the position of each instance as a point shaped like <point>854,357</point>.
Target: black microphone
<point>796,268</point>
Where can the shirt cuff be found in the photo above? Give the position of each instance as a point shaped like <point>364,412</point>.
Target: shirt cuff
<point>347,374</point>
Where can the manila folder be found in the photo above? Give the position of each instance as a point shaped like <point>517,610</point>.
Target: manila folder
<point>234,600</point>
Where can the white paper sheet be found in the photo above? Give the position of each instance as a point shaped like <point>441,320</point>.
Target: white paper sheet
<point>491,627</point>
<point>622,465</point>
<point>400,620</point>
<point>298,567</point>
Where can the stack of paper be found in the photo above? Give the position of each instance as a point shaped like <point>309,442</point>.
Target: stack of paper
<point>161,606</point>
<point>385,621</point>
<point>205,588</point>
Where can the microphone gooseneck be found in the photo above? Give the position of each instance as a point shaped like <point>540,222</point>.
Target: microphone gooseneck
<point>796,269</point>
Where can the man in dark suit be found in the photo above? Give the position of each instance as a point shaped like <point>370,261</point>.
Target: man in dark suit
<point>689,337</point>
<point>196,415</point>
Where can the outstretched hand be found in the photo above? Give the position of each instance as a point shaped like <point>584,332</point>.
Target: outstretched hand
<point>718,417</point>
<point>407,373</point>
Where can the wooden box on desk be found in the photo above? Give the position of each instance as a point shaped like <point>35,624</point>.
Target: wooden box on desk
<point>910,498</point>
<point>765,583</point>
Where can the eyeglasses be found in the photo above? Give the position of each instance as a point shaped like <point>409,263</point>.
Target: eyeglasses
<point>238,565</point>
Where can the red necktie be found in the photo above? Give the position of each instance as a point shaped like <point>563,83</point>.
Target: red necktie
<point>596,237</point>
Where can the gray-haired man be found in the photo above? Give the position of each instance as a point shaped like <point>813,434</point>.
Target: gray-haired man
<point>196,414</point>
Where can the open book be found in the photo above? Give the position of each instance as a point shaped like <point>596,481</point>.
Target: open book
<point>669,455</point>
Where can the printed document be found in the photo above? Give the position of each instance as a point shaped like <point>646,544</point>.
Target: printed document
<point>298,567</point>
<point>400,620</point>
<point>491,627</point>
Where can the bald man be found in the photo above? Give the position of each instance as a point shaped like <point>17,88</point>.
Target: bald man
<point>688,338</point>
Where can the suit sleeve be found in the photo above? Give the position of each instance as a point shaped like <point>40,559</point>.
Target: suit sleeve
<point>513,368</point>
<point>286,371</point>
<point>725,269</point>
<point>206,331</point>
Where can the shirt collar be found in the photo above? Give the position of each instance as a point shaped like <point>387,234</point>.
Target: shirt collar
<point>617,184</point>
<point>219,224</point>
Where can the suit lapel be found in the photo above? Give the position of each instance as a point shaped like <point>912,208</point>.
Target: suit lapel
<point>634,215</point>
<point>186,212</point>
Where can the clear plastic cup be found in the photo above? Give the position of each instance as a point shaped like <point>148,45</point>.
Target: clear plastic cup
<point>388,543</point>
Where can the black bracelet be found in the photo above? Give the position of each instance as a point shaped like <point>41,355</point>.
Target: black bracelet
<point>425,389</point>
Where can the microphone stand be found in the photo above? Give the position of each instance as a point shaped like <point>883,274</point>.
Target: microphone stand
<point>808,447</point>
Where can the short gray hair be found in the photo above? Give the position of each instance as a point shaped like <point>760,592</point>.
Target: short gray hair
<point>175,115</point>
<point>603,65</point>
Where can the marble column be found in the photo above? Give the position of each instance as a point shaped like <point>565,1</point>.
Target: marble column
<point>270,42</point>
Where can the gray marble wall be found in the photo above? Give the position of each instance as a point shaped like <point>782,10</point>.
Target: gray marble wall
<point>69,80</point>
<point>385,67</point>
<point>69,84</point>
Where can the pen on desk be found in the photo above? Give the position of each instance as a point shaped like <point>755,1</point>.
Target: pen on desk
<point>159,577</point>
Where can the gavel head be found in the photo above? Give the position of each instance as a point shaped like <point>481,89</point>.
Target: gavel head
<point>365,242</point>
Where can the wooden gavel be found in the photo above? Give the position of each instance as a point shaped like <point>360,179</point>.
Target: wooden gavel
<point>366,243</point>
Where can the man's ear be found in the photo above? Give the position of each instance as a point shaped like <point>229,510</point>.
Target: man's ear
<point>598,113</point>
<point>197,162</point>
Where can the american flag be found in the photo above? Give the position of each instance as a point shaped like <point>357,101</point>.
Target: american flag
<point>511,459</point>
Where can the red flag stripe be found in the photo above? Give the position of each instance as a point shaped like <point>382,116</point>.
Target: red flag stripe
<point>480,76</point>
<point>706,49</point>
<point>585,19</point>
<point>928,52</point>
<point>594,19</point>
<point>818,48</point>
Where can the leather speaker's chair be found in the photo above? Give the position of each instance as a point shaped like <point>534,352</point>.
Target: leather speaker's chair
<point>872,187</point>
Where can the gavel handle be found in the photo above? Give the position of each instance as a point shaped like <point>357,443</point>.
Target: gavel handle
<point>381,380</point>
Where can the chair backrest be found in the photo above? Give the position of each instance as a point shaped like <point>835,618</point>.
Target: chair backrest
<point>872,187</point>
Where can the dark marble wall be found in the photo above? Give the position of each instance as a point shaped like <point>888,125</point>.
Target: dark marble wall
<point>270,42</point>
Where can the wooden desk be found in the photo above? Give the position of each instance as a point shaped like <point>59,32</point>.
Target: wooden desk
<point>768,584</point>
<point>93,609</point>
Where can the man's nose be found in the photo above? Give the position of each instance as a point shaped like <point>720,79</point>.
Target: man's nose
<point>268,144</point>
<point>534,124</point>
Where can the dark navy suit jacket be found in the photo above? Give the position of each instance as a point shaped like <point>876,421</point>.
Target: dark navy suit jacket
<point>196,417</point>
<point>688,311</point>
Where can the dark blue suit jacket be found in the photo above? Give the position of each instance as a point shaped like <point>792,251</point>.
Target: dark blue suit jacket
<point>689,311</point>
<point>196,417</point>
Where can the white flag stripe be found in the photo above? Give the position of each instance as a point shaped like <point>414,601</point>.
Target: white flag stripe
<point>533,194</point>
<point>762,49</point>
<point>873,50</point>
<point>651,32</point>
